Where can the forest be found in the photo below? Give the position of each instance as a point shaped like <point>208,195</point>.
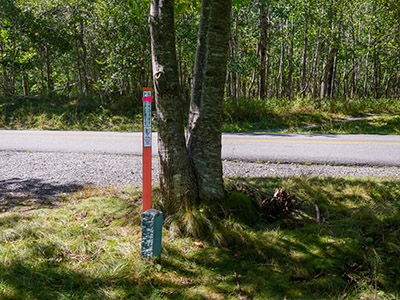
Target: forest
<point>336,50</point>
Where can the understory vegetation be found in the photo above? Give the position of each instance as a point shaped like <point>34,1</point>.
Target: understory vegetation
<point>247,115</point>
<point>252,115</point>
<point>323,238</point>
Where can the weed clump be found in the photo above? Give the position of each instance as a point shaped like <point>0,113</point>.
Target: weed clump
<point>223,223</point>
<point>239,207</point>
<point>269,207</point>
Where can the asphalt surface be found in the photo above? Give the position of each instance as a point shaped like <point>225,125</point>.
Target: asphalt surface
<point>38,167</point>
<point>359,150</point>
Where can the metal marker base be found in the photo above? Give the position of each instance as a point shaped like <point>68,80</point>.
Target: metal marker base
<point>152,233</point>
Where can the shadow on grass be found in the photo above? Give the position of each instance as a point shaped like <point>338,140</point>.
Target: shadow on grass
<point>27,280</point>
<point>32,193</point>
<point>352,248</point>
<point>355,244</point>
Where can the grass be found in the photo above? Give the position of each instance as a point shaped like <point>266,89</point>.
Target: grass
<point>88,248</point>
<point>59,113</point>
<point>251,115</point>
<point>266,116</point>
<point>382,124</point>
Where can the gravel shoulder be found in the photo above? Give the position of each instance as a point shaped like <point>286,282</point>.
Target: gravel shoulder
<point>43,176</point>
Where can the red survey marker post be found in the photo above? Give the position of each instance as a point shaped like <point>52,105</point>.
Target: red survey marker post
<point>147,143</point>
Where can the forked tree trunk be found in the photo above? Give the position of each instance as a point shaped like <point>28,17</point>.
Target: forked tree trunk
<point>190,172</point>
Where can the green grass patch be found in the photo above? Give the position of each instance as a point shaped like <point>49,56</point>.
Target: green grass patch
<point>89,248</point>
<point>382,124</point>
<point>251,115</point>
<point>58,113</point>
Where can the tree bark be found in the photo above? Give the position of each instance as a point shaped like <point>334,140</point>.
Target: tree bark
<point>84,58</point>
<point>376,73</point>
<point>4,71</point>
<point>290,85</point>
<point>365,89</point>
<point>49,80</point>
<point>281,75</point>
<point>315,73</point>
<point>205,117</point>
<point>304,60</point>
<point>262,46</point>
<point>25,84</point>
<point>178,185</point>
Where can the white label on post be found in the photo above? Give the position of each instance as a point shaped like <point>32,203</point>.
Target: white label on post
<point>147,136</point>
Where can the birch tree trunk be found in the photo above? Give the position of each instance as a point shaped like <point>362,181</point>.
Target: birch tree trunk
<point>191,170</point>
<point>304,60</point>
<point>205,117</point>
<point>281,75</point>
<point>290,85</point>
<point>262,50</point>
<point>178,186</point>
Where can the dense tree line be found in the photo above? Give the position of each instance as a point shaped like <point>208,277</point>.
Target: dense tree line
<point>279,48</point>
<point>322,49</point>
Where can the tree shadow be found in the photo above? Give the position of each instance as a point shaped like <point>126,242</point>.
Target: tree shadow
<point>30,194</point>
<point>51,281</point>
<point>296,258</point>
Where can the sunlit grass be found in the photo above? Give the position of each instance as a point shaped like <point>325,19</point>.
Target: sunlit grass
<point>89,248</point>
<point>382,124</point>
<point>58,113</point>
<point>251,115</point>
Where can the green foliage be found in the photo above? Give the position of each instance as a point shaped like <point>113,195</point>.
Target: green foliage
<point>102,48</point>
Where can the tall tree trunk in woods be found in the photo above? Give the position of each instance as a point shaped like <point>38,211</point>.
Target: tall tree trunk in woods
<point>262,46</point>
<point>365,89</point>
<point>43,91</point>
<point>78,66</point>
<point>332,75</point>
<point>4,81</point>
<point>252,80</point>
<point>84,58</point>
<point>25,85</point>
<point>376,73</point>
<point>345,76</point>
<point>290,85</point>
<point>281,75</point>
<point>388,82</point>
<point>48,69</point>
<point>323,77</point>
<point>177,179</point>
<point>304,60</point>
<point>315,73</point>
<point>234,49</point>
<point>205,118</point>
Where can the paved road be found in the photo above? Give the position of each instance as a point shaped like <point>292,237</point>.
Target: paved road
<point>365,150</point>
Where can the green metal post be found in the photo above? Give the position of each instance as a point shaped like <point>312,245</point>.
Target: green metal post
<point>152,233</point>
